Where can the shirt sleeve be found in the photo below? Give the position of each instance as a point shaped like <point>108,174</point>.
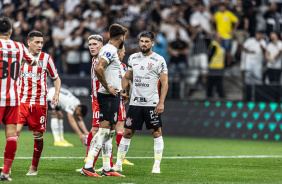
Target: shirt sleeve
<point>246,43</point>
<point>233,17</point>
<point>51,68</point>
<point>162,67</point>
<point>70,108</point>
<point>27,56</point>
<point>108,56</point>
<point>129,63</point>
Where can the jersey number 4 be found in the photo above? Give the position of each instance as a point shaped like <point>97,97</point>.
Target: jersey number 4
<point>14,69</point>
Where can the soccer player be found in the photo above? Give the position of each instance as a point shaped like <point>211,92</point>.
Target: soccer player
<point>70,104</point>
<point>109,75</point>
<point>11,55</point>
<point>146,68</point>
<point>33,94</point>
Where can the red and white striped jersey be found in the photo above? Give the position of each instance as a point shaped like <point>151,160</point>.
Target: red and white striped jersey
<point>11,55</point>
<point>95,84</point>
<point>33,80</point>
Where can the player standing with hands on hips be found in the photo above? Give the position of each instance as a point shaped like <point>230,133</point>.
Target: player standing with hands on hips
<point>109,75</point>
<point>146,68</point>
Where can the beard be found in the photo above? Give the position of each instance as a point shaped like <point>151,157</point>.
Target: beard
<point>121,45</point>
<point>144,51</point>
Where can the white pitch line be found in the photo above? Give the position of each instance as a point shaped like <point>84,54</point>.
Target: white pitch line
<point>186,157</point>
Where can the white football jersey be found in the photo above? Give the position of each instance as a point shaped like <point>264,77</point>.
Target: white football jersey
<point>67,101</point>
<point>112,71</point>
<point>146,70</point>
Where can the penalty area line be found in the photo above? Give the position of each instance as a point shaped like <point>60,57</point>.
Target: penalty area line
<point>179,157</point>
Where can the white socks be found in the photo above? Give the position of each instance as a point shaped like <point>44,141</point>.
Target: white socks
<point>122,150</point>
<point>158,149</point>
<point>107,150</point>
<point>61,129</point>
<point>55,129</point>
<point>95,146</point>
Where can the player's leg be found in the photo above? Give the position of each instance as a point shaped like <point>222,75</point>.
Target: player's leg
<point>61,128</point>
<point>134,121</point>
<point>120,132</point>
<point>38,148</point>
<point>36,121</point>
<point>154,123</point>
<point>158,148</point>
<point>10,117</point>
<point>107,148</point>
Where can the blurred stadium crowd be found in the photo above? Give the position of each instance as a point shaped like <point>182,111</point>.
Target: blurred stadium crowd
<point>184,30</point>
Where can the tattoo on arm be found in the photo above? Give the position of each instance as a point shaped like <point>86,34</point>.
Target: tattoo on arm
<point>100,72</point>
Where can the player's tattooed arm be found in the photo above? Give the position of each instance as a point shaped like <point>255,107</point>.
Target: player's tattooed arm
<point>100,72</point>
<point>164,81</point>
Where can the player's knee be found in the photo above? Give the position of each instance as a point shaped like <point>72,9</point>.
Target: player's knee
<point>128,134</point>
<point>156,133</point>
<point>37,135</point>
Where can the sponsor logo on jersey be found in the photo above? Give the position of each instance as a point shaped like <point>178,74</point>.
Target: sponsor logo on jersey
<point>142,85</point>
<point>142,68</point>
<point>128,121</point>
<point>150,66</point>
<point>30,75</point>
<point>153,59</point>
<point>40,63</point>
<point>140,99</point>
<point>135,64</point>
<point>9,55</point>
<point>108,54</point>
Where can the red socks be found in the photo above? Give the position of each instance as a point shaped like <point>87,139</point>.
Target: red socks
<point>89,139</point>
<point>9,154</point>
<point>118,138</point>
<point>38,147</point>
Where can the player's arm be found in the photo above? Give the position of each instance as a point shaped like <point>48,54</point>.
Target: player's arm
<point>57,84</point>
<point>81,124</point>
<point>125,81</point>
<point>75,127</point>
<point>100,72</point>
<point>164,81</point>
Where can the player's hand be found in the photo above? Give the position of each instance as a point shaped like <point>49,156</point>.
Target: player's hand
<point>125,97</point>
<point>55,100</point>
<point>159,108</point>
<point>113,91</point>
<point>82,138</point>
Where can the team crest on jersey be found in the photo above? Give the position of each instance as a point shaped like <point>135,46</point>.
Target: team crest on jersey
<point>128,121</point>
<point>40,63</point>
<point>115,118</point>
<point>150,66</point>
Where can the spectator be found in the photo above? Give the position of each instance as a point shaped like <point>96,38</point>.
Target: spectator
<point>242,30</point>
<point>273,57</point>
<point>253,57</point>
<point>273,20</point>
<point>71,23</point>
<point>71,47</point>
<point>178,50</point>
<point>216,68</point>
<point>203,16</point>
<point>160,46</point>
<point>199,61</point>
<point>93,11</point>
<point>224,21</point>
<point>85,54</point>
<point>47,10</point>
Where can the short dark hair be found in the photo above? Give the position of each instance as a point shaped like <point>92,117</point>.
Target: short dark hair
<point>5,25</point>
<point>116,30</point>
<point>83,110</point>
<point>33,34</point>
<point>148,34</point>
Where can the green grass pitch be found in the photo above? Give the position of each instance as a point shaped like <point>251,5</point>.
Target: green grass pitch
<point>181,170</point>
